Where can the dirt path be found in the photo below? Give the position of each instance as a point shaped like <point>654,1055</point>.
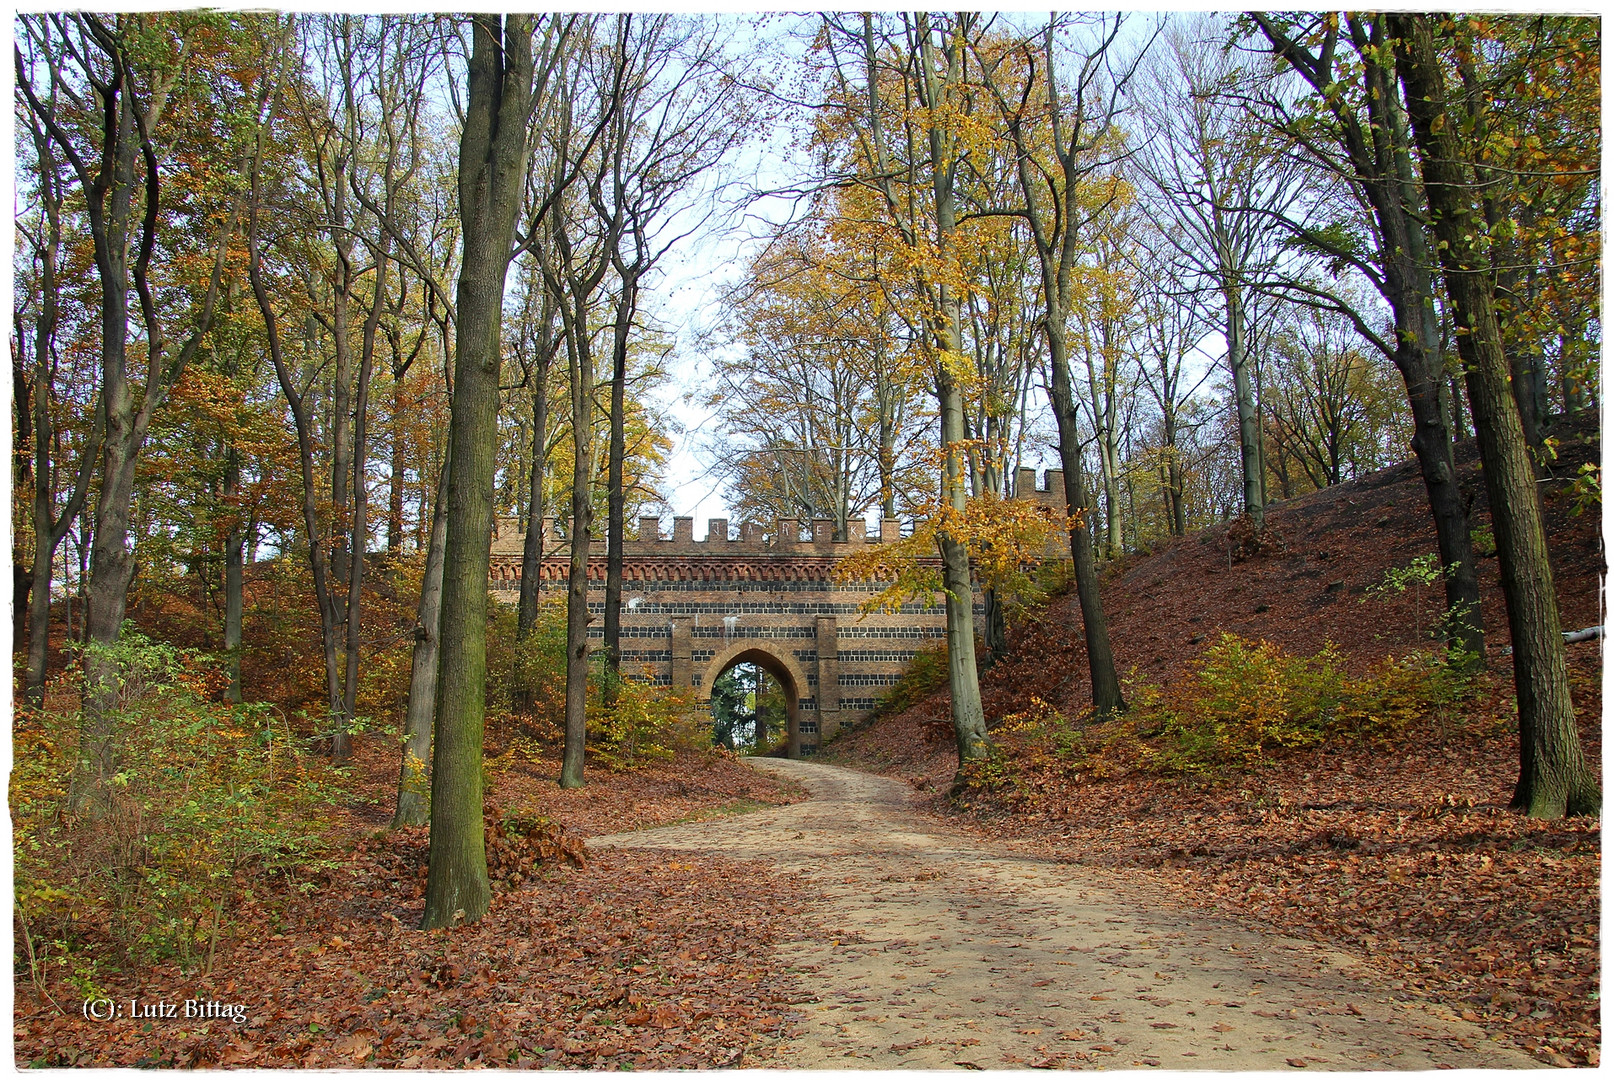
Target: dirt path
<point>944,953</point>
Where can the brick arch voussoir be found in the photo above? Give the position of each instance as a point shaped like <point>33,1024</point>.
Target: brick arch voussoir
<point>775,651</point>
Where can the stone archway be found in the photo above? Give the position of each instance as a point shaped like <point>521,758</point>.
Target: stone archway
<point>776,662</point>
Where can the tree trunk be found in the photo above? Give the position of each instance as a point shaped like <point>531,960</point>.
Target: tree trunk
<point>22,456</point>
<point>111,562</point>
<point>49,532</point>
<point>1554,780</point>
<point>395,477</point>
<point>493,167</point>
<point>1249,415</point>
<point>1055,242</point>
<point>341,746</point>
<point>1381,158</point>
<point>969,718</point>
<point>299,407</point>
<point>112,569</point>
<point>1174,492</point>
<point>615,495</point>
<point>963,679</point>
<point>1432,446</point>
<point>577,617</point>
<point>1107,699</point>
<point>341,386</point>
<point>997,627</point>
<point>39,621</point>
<point>532,549</point>
<point>414,780</point>
<point>234,544</point>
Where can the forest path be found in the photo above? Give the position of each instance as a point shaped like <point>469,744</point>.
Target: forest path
<point>943,952</point>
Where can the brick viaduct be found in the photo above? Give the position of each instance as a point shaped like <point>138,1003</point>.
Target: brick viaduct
<point>692,609</point>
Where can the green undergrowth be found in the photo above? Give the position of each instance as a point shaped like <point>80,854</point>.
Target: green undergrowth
<point>925,675</point>
<point>630,723</point>
<point>1242,705</point>
<point>208,802</point>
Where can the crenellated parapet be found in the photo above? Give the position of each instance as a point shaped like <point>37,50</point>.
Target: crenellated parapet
<point>787,536</point>
<point>1052,492</point>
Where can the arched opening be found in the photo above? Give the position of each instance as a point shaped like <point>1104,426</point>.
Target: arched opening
<point>761,666</point>
<point>748,709</point>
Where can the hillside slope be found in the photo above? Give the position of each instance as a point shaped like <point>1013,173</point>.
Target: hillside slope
<point>1166,606</point>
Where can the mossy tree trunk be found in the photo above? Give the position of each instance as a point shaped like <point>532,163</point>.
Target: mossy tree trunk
<point>492,178</point>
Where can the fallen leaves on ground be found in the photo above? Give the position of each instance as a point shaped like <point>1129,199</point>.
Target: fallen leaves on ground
<point>1396,860</point>
<point>626,961</point>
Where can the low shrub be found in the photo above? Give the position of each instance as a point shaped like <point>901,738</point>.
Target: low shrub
<point>208,798</point>
<point>1242,704</point>
<point>644,724</point>
<point>1246,701</point>
<point>926,673</point>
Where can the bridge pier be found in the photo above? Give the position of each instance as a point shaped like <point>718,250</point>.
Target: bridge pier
<point>829,679</point>
<point>683,666</point>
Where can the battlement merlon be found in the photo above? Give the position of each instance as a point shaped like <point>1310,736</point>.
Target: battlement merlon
<point>509,537</point>
<point>509,534</point>
<point>1051,493</point>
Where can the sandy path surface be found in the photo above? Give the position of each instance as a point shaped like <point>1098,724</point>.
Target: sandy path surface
<point>945,953</point>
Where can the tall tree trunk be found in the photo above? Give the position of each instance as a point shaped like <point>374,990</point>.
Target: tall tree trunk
<point>994,617</point>
<point>303,423</point>
<point>234,544</point>
<point>1244,397</point>
<point>22,456</point>
<point>112,570</point>
<point>969,718</point>
<point>963,679</point>
<point>1432,446</point>
<point>49,530</point>
<point>1381,158</point>
<point>615,494</point>
<point>414,779</point>
<point>1100,386</point>
<point>395,477</point>
<point>341,443</point>
<point>341,745</point>
<point>532,549</point>
<point>1055,241</point>
<point>110,205</point>
<point>1107,699</point>
<point>492,176</point>
<point>886,396</point>
<point>341,738</point>
<point>1179,522</point>
<point>22,586</point>
<point>577,618</point>
<point>1554,780</point>
<point>996,627</point>
<point>1114,543</point>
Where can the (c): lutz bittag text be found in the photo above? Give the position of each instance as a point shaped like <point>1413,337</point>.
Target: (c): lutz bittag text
<point>190,1009</point>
